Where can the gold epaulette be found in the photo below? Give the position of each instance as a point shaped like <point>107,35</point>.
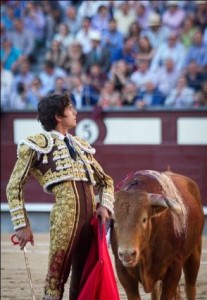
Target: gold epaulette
<point>84,145</point>
<point>42,142</point>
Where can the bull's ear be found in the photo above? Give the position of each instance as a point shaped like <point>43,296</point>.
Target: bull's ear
<point>163,201</point>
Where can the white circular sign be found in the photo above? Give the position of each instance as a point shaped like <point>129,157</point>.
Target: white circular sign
<point>88,130</point>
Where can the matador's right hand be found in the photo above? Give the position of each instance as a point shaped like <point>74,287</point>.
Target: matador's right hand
<point>25,235</point>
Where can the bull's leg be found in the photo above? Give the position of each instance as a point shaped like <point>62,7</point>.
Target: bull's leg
<point>129,282</point>
<point>171,281</point>
<point>191,268</point>
<point>155,295</point>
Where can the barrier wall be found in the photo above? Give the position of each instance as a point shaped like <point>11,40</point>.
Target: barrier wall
<point>125,140</point>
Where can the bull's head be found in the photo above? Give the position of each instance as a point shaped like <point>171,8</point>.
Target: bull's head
<point>132,222</point>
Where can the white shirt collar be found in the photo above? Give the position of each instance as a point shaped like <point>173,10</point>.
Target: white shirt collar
<point>60,135</point>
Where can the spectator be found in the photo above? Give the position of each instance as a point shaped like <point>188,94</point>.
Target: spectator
<point>205,36</point>
<point>142,75</point>
<point>119,74</point>
<point>25,75</point>
<point>19,98</point>
<point>201,14</point>
<point>54,54</point>
<point>112,39</point>
<point>50,22</point>
<point>124,16</point>
<point>156,33</point>
<point>81,94</point>
<point>174,16</point>
<point>182,96</point>
<point>54,10</point>
<point>95,80</point>
<point>48,76</point>
<point>134,34</point>
<point>109,97</point>
<point>34,20</point>
<point>60,86</point>
<point>87,9</point>
<point>76,69</point>
<point>187,31</point>
<point>201,96</point>
<point>143,11</point>
<point>167,76</point>
<point>19,7</point>
<point>172,48</point>
<point>6,87</point>
<point>97,55</point>
<point>34,93</point>
<point>129,94</point>
<point>73,53</point>
<point>129,54</point>
<point>9,54</point>
<point>100,21</point>
<point>72,20</point>
<point>194,76</point>
<point>83,35</point>
<point>3,33</point>
<point>145,50</point>
<point>23,39</point>
<point>8,18</point>
<point>197,51</point>
<point>64,36</point>
<point>150,96</point>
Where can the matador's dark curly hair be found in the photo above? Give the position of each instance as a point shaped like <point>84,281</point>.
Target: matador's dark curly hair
<point>51,105</point>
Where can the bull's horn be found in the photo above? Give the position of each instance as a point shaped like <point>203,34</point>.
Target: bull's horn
<point>160,200</point>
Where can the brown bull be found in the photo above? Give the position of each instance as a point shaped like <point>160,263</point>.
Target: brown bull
<point>157,233</point>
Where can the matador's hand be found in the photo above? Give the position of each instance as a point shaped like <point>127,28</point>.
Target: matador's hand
<point>25,235</point>
<point>103,213</point>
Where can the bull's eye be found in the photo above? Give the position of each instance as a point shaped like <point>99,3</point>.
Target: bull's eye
<point>144,220</point>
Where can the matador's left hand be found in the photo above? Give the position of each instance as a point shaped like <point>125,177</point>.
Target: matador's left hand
<point>103,213</point>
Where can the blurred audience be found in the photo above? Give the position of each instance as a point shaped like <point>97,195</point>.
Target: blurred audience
<point>122,50</point>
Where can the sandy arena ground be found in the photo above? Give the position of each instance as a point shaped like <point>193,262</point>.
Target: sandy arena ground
<point>14,280</point>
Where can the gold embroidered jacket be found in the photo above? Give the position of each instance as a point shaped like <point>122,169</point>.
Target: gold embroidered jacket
<point>47,158</point>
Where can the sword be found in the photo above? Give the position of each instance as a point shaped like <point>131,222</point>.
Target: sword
<point>16,242</point>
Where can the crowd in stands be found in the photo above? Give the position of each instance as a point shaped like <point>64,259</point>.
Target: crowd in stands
<point>111,54</point>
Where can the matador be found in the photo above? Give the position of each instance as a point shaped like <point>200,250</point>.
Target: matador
<point>72,180</point>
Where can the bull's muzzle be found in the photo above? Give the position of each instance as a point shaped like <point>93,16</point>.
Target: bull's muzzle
<point>128,257</point>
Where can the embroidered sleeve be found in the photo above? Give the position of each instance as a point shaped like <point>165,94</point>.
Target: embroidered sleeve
<point>15,185</point>
<point>105,186</point>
